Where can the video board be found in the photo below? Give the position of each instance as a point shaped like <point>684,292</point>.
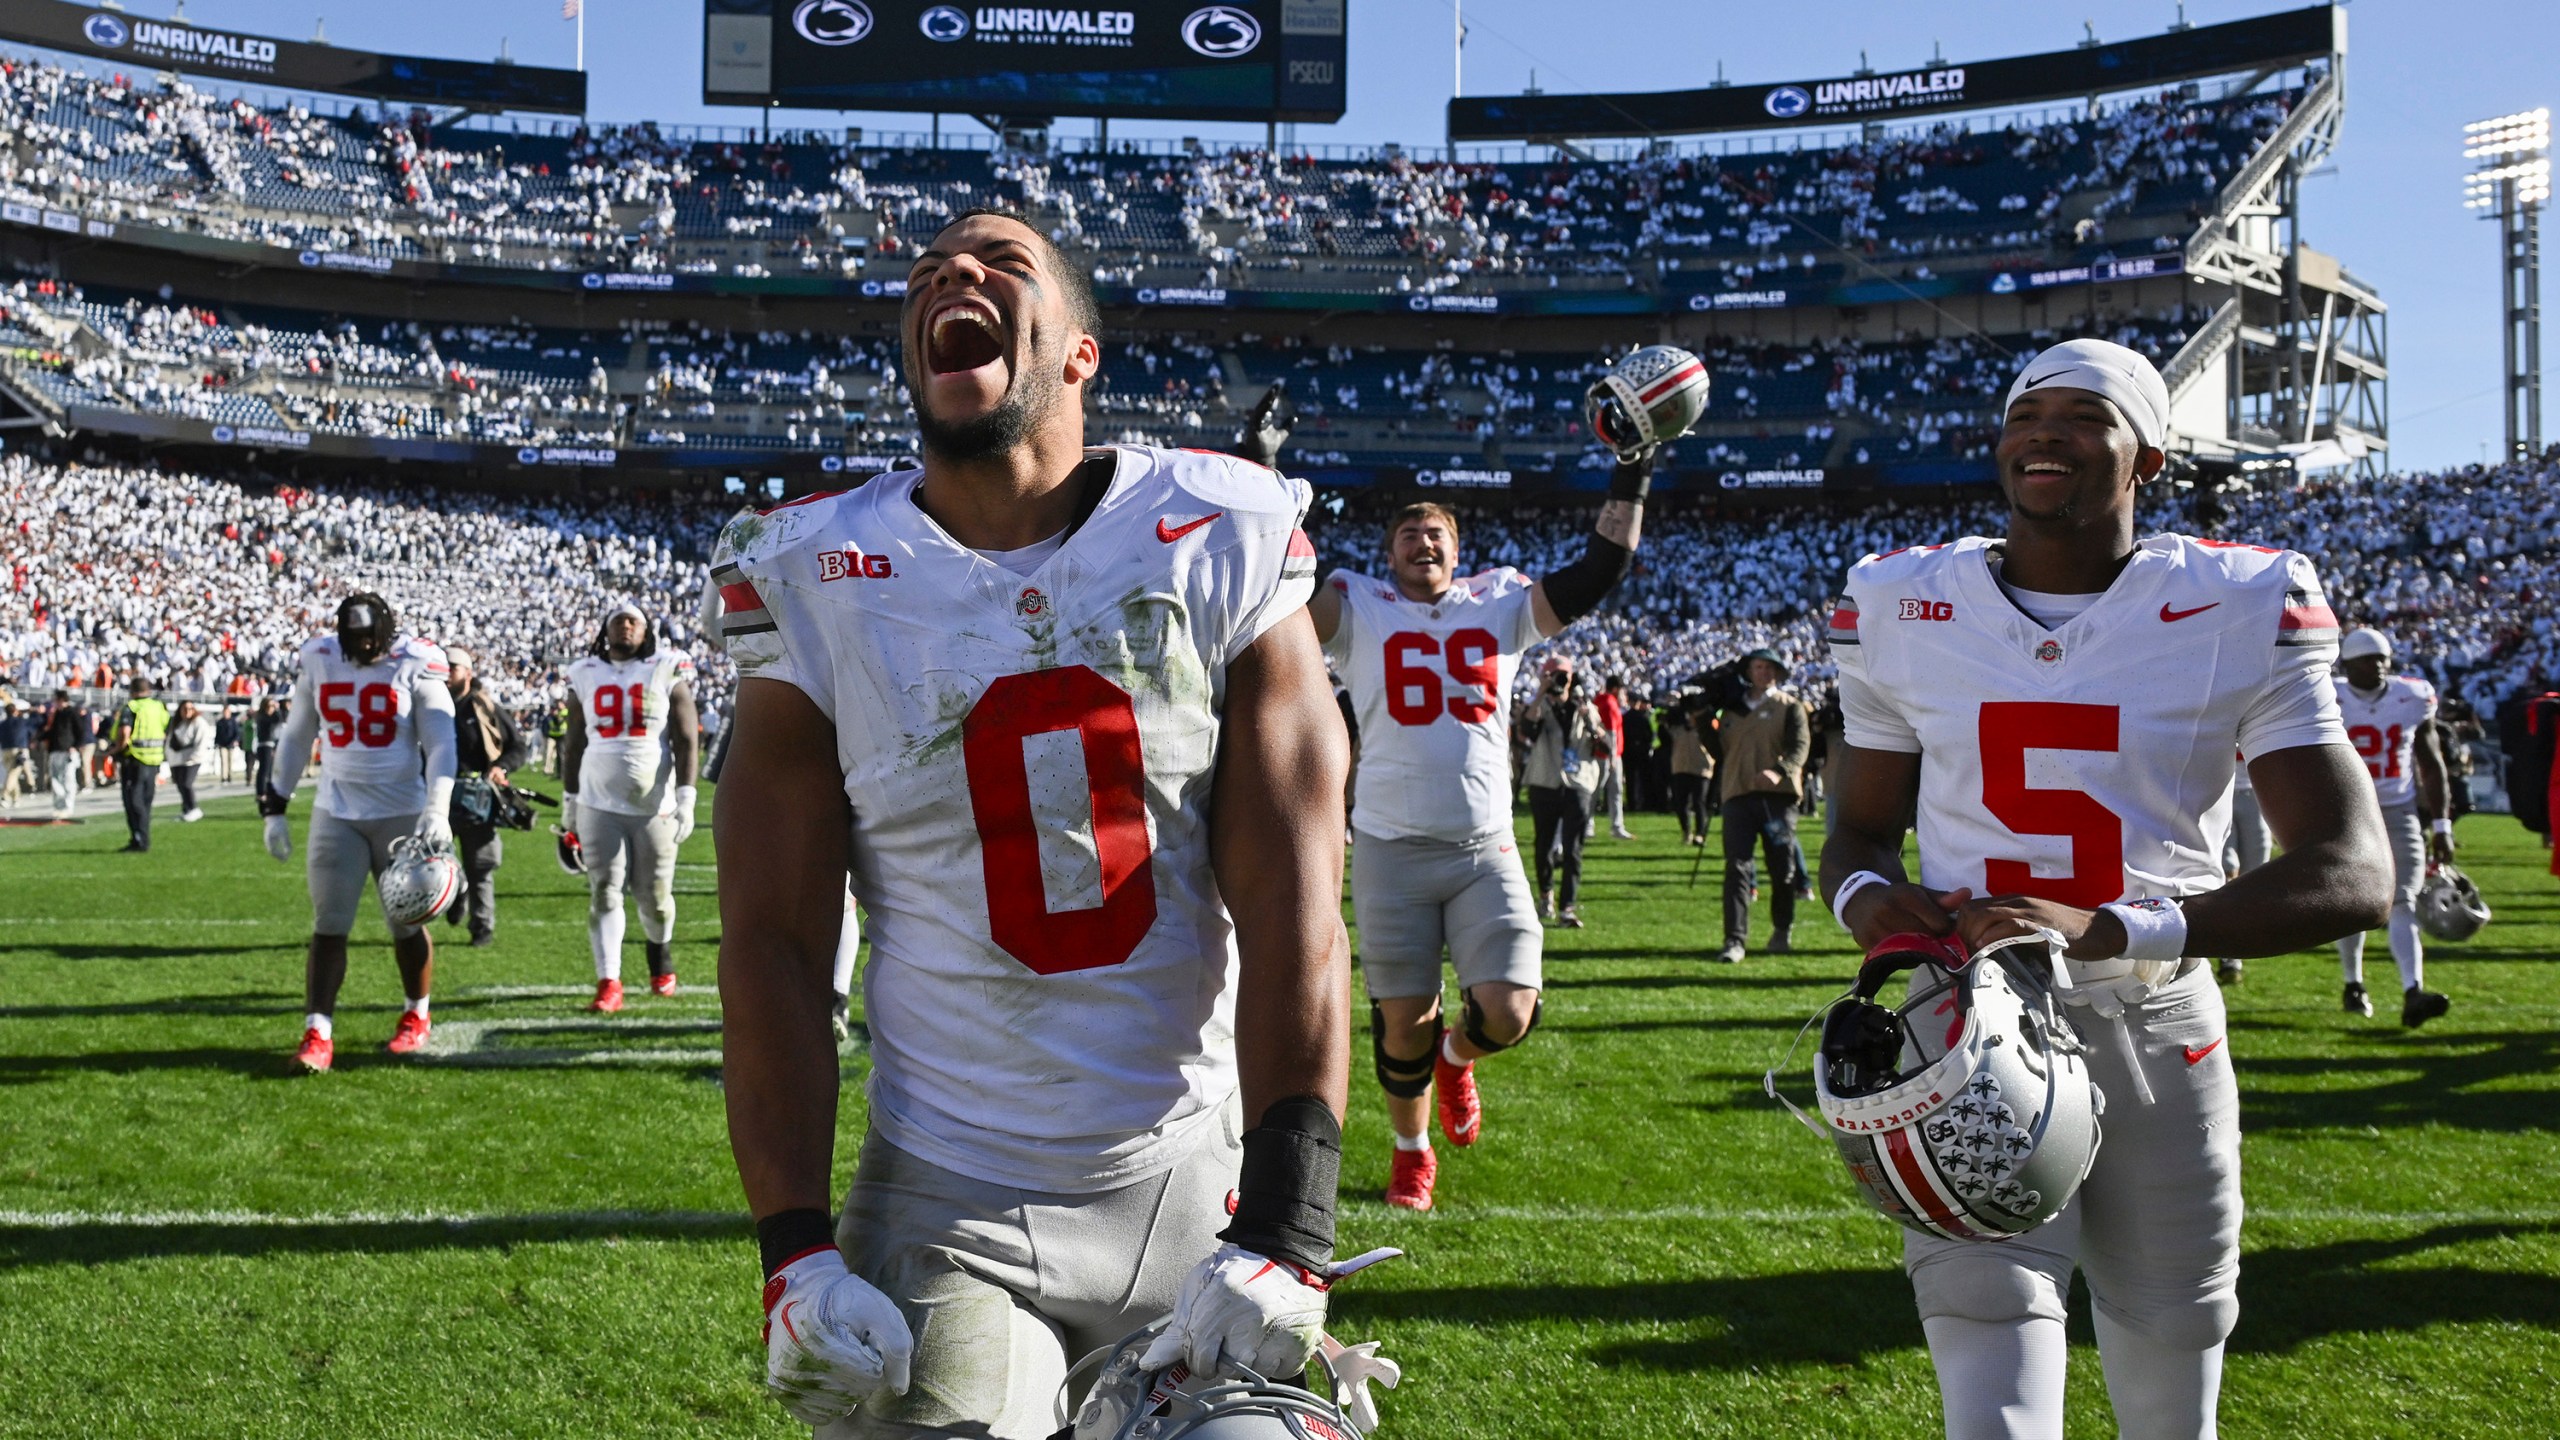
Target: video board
<point>1153,59</point>
<point>2286,38</point>
<point>229,54</point>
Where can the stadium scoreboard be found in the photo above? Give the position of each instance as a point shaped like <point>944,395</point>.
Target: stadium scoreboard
<point>237,55</point>
<point>1261,60</point>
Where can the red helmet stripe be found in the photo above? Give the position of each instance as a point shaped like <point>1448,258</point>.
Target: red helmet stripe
<point>1913,1177</point>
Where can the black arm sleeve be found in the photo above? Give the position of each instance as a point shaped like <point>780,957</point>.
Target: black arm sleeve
<point>1285,1191</point>
<point>1577,589</point>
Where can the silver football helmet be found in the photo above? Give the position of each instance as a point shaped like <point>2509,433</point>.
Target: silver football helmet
<point>419,883</point>
<point>1652,396</point>
<point>1967,1110</point>
<point>1128,1401</point>
<point>2449,905</point>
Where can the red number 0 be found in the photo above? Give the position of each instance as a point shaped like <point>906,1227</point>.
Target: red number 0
<point>1055,942</point>
<point>1413,691</point>
<point>374,722</point>
<point>2011,728</point>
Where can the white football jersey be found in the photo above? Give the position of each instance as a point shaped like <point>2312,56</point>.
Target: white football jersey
<point>624,705</point>
<point>1051,988</point>
<point>2384,729</point>
<point>1431,687</point>
<point>2091,762</point>
<point>372,766</point>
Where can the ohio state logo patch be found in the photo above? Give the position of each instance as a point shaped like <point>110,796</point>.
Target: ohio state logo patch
<point>1031,603</point>
<point>2049,651</point>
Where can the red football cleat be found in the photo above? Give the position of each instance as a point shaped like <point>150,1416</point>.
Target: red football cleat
<point>608,997</point>
<point>1409,1179</point>
<point>316,1052</point>
<point>410,1035</point>
<point>663,984</point>
<point>1461,1108</point>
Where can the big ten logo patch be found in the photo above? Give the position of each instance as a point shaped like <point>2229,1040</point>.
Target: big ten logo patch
<point>1928,610</point>
<point>852,564</point>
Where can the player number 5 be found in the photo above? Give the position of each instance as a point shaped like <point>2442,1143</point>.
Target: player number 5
<point>372,723</point>
<point>2011,728</point>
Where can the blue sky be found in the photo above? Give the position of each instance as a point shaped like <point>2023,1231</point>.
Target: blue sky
<point>2389,204</point>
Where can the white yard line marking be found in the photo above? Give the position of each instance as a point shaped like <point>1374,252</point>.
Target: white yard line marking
<point>73,1219</point>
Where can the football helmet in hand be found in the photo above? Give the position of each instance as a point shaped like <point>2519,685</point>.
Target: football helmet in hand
<point>420,881</point>
<point>1133,1399</point>
<point>1979,1130</point>
<point>1651,397</point>
<point>2449,905</point>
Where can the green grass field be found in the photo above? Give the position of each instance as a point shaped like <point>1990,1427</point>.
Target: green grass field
<point>539,1233</point>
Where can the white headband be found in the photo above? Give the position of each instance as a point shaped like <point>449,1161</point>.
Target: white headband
<point>2123,378</point>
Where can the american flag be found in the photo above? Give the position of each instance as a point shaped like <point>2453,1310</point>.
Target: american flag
<point>569,8</point>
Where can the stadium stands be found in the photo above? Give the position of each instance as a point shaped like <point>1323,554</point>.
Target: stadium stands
<point>195,579</point>
<point>633,198</point>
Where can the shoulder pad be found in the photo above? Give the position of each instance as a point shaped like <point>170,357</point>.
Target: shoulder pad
<point>1231,483</point>
<point>757,537</point>
<point>1903,564</point>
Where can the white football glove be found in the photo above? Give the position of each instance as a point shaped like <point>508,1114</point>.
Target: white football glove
<point>1243,1309</point>
<point>568,814</point>
<point>1354,1366</point>
<point>279,838</point>
<point>684,813</point>
<point>831,1340</point>
<point>435,828</point>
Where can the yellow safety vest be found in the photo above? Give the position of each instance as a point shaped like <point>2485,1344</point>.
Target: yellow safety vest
<point>150,731</point>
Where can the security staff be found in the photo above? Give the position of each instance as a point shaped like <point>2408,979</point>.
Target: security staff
<point>141,736</point>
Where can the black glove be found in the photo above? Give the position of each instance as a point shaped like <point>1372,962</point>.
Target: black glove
<point>1267,428</point>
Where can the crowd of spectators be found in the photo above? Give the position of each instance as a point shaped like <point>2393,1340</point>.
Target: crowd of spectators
<point>661,384</point>
<point>388,182</point>
<point>208,585</point>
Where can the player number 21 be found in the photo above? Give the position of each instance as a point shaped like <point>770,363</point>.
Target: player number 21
<point>372,722</point>
<point>1413,688</point>
<point>1078,698</point>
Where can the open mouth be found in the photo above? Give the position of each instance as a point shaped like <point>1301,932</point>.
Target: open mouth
<point>962,336</point>
<point>2044,469</point>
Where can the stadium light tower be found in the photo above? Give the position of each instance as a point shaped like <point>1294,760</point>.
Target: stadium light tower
<point>2513,177</point>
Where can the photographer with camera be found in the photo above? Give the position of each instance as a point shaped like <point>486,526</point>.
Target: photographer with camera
<point>1568,749</point>
<point>487,746</point>
<point>1764,741</point>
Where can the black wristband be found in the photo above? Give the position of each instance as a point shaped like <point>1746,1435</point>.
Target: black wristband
<point>786,1235</point>
<point>1631,479</point>
<point>1285,1188</point>
<point>270,803</point>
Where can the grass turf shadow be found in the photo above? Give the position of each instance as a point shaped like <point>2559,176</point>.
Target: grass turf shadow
<point>2450,1088</point>
<point>109,1241</point>
<point>2292,1296</point>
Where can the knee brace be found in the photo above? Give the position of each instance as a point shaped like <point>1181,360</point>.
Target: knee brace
<point>1403,1079</point>
<point>1473,1029</point>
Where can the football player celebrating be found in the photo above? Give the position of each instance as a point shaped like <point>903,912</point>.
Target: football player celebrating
<point>627,792</point>
<point>2062,707</point>
<point>1430,661</point>
<point>2387,718</point>
<point>376,701</point>
<point>1061,713</point>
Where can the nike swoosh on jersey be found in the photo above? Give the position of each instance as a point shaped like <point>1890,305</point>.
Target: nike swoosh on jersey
<point>2176,615</point>
<point>2194,1054</point>
<point>2053,375</point>
<point>1170,533</point>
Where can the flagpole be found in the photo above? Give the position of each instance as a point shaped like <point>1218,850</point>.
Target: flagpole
<point>1457,63</point>
<point>582,35</point>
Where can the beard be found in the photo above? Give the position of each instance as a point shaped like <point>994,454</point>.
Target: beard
<point>1035,392</point>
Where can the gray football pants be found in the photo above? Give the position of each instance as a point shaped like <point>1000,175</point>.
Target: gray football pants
<point>2155,1228</point>
<point>341,855</point>
<point>641,848</point>
<point>1005,1288</point>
